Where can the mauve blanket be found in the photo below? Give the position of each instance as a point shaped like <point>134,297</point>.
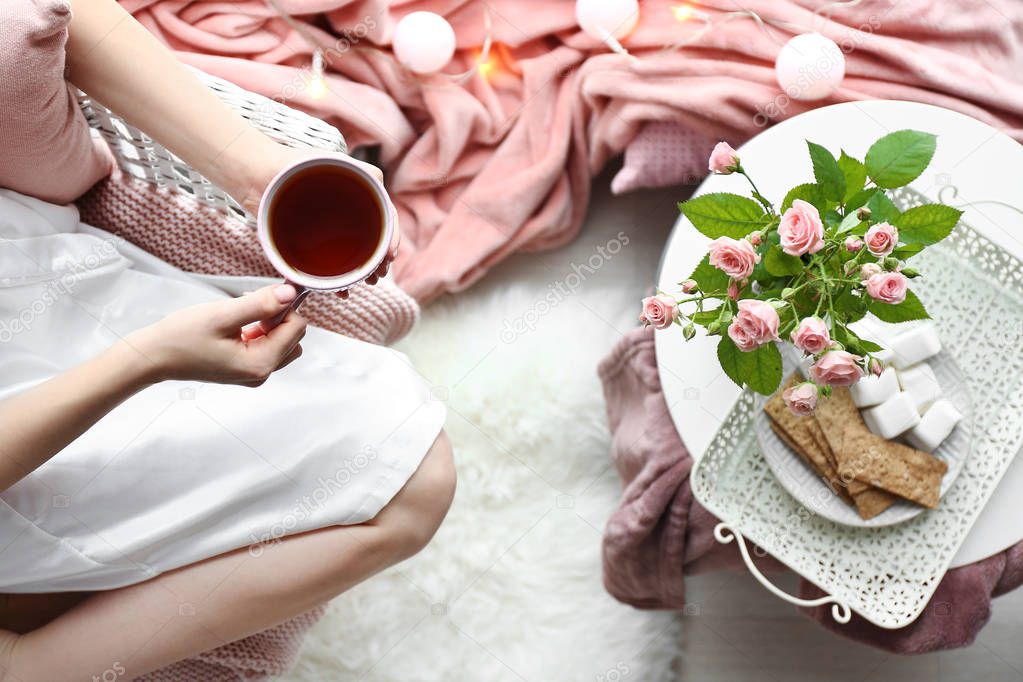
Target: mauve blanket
<point>493,165</point>
<point>659,532</point>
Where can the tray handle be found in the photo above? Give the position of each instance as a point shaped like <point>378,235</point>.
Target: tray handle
<point>724,534</point>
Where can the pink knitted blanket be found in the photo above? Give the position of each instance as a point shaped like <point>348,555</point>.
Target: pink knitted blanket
<point>660,532</point>
<point>494,165</point>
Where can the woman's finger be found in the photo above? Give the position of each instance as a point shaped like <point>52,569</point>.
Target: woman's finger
<point>295,354</point>
<point>259,305</point>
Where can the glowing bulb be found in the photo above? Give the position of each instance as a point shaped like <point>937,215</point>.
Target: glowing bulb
<point>810,66</point>
<point>316,86</point>
<point>424,42</point>
<point>682,12</point>
<point>485,68</point>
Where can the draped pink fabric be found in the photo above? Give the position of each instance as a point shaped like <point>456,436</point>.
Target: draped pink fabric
<point>494,165</point>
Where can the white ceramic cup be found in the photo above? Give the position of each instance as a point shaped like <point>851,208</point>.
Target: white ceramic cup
<point>303,281</point>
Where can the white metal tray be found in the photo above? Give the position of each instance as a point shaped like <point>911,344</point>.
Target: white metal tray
<point>974,291</point>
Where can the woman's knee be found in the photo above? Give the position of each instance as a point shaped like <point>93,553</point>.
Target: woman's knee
<point>410,520</point>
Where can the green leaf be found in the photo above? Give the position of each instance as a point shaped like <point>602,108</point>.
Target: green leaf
<point>827,172</point>
<point>709,278</point>
<point>910,309</point>
<point>722,214</point>
<point>882,210</point>
<point>927,224</point>
<point>848,223</point>
<point>705,317</point>
<point>808,192</point>
<point>849,306</point>
<point>855,174</point>
<point>759,369</point>
<point>732,360</point>
<point>778,263</point>
<point>765,374</point>
<point>860,198</point>
<point>899,158</point>
<point>908,250</point>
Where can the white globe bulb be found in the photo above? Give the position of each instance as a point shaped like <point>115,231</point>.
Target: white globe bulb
<point>603,18</point>
<point>809,66</point>
<point>424,42</point>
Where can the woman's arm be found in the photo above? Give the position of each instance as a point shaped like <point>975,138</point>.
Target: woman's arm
<point>116,60</point>
<point>200,343</point>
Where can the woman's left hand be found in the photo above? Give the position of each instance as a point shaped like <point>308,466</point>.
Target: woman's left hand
<point>276,157</point>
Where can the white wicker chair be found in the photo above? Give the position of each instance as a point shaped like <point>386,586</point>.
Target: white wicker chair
<point>144,158</point>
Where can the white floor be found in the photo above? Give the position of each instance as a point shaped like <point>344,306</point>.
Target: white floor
<point>510,589</point>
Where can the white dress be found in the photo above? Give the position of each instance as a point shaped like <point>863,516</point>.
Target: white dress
<point>182,471</point>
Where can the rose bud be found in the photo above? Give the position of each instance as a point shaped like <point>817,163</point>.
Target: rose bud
<point>853,244</point>
<point>755,238</point>
<point>876,366</point>
<point>787,293</point>
<point>689,331</point>
<point>910,272</point>
<point>863,213</point>
<point>869,270</point>
<point>891,263</point>
<point>850,267</point>
<point>689,286</point>
<point>723,159</point>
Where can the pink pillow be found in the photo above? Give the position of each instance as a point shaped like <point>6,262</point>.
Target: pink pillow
<point>663,154</point>
<point>46,150</point>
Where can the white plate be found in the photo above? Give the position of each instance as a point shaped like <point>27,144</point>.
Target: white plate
<point>803,483</point>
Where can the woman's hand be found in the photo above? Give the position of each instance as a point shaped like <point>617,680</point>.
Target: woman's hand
<point>204,342</point>
<point>271,159</point>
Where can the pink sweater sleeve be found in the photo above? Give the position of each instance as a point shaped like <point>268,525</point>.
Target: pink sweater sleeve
<point>46,150</point>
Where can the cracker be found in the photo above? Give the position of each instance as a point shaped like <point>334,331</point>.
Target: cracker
<point>891,466</point>
<point>795,432</point>
<point>872,501</point>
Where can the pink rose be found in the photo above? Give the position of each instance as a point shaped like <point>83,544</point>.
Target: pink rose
<point>869,270</point>
<point>735,257</point>
<point>811,335</point>
<point>733,290</point>
<point>723,159</point>
<point>689,286</point>
<point>876,367</point>
<point>755,238</point>
<point>755,324</point>
<point>888,287</point>
<point>801,399</point>
<point>659,311</point>
<point>881,239</point>
<point>837,368</point>
<point>801,229</point>
<point>853,244</point>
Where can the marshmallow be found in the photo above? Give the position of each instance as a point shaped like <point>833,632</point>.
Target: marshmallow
<point>884,356</point>
<point>892,417</point>
<point>915,345</point>
<point>878,331</point>
<point>935,426</point>
<point>874,390</point>
<point>921,385</point>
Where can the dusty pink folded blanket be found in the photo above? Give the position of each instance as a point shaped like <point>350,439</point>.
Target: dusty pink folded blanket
<point>659,532</point>
<point>482,169</point>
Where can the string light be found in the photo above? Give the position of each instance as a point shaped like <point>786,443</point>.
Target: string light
<point>682,12</point>
<point>424,42</point>
<point>316,86</point>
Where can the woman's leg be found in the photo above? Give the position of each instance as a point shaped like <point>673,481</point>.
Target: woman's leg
<point>193,609</point>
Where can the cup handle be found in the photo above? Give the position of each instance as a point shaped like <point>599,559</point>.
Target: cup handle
<point>257,329</point>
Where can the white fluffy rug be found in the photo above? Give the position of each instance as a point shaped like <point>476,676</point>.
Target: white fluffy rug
<point>510,589</point>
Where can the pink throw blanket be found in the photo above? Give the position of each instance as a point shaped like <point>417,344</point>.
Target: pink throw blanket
<point>481,169</point>
<point>660,532</point>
